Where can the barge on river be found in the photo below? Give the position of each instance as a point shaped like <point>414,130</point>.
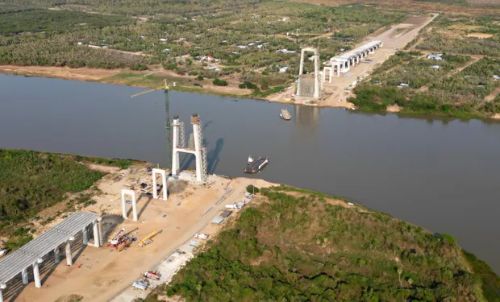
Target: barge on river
<point>256,165</point>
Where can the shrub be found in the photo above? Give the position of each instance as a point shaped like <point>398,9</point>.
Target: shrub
<point>252,189</point>
<point>219,82</point>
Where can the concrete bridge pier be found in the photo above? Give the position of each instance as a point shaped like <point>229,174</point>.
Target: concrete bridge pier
<point>36,273</point>
<point>24,275</point>
<point>85,236</point>
<point>69,257</point>
<point>2,287</point>
<point>57,255</point>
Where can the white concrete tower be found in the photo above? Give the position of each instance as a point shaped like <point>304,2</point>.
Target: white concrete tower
<point>176,124</point>
<point>316,76</point>
<point>197,150</point>
<point>131,194</point>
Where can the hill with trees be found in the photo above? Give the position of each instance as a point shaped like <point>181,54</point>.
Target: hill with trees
<point>296,245</point>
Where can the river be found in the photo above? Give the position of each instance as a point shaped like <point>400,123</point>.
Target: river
<point>442,175</point>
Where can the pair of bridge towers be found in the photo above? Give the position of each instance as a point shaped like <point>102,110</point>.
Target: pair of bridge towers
<point>194,147</point>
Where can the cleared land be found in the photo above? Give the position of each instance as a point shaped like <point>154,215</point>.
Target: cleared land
<point>101,274</point>
<point>394,38</point>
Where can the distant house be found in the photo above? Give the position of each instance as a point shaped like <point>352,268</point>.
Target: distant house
<point>283,69</point>
<point>435,56</point>
<point>285,51</point>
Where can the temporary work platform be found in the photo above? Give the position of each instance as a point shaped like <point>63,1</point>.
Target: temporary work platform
<point>36,251</point>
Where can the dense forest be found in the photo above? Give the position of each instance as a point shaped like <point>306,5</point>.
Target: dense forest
<point>310,247</point>
<point>32,181</point>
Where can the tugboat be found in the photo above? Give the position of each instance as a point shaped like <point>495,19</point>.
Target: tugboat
<point>255,165</point>
<point>285,115</point>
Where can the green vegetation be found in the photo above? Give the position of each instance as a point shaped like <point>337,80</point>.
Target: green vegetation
<point>32,181</point>
<point>219,82</point>
<point>303,246</point>
<point>490,281</point>
<point>462,85</point>
<point>237,40</point>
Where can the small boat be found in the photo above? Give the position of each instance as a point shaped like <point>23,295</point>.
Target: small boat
<point>256,165</point>
<point>285,115</point>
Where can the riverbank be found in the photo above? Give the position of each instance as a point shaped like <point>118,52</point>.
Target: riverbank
<point>105,274</point>
<point>298,243</point>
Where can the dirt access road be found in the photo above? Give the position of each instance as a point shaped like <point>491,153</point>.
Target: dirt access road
<point>394,39</point>
<point>99,274</point>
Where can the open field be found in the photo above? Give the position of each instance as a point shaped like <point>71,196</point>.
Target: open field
<point>101,274</point>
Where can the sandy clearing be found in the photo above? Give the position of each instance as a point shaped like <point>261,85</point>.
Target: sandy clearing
<point>82,74</point>
<point>99,274</point>
<point>479,35</point>
<point>490,97</point>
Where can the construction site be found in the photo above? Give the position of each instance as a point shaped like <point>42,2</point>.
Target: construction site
<point>331,83</point>
<point>147,222</point>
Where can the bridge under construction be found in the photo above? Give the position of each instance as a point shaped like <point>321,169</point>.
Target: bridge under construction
<point>37,256</point>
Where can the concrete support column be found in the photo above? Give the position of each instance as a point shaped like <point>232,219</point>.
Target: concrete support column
<point>85,236</point>
<point>69,257</point>
<point>24,276</point>
<point>316,75</point>
<point>36,275</point>
<point>2,287</point>
<point>134,210</point>
<point>99,230</point>
<point>197,147</point>
<point>163,176</point>
<point>175,143</point>
<point>131,194</point>
<point>95,227</point>
<point>124,208</point>
<point>57,255</point>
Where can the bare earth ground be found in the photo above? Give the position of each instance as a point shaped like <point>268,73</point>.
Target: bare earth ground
<point>99,274</point>
<point>109,76</point>
<point>337,93</point>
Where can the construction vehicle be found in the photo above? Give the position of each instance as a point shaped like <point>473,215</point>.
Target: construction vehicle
<point>154,275</point>
<point>141,284</point>
<point>149,238</point>
<point>122,240</point>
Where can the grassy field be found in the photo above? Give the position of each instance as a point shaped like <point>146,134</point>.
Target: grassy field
<point>462,85</point>
<point>32,181</point>
<point>311,247</point>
